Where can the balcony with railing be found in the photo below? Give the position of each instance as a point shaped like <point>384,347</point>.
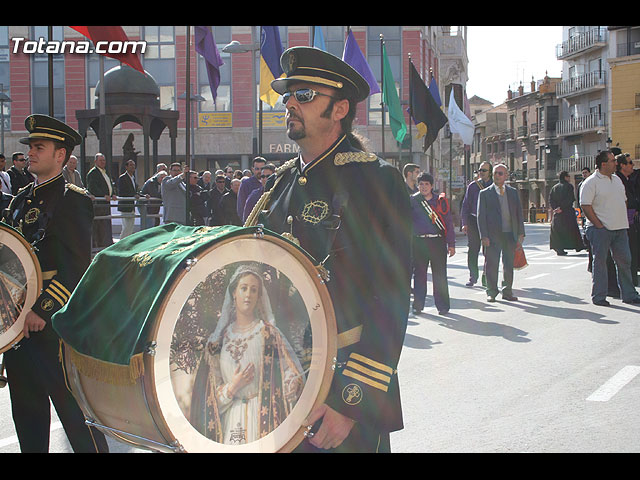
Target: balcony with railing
<point>582,84</point>
<point>522,131</point>
<point>576,164</point>
<point>579,44</point>
<point>581,124</point>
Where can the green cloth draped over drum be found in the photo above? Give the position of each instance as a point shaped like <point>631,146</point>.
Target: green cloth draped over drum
<point>106,319</point>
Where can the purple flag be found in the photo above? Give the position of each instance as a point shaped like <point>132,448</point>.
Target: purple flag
<point>206,46</point>
<point>354,57</point>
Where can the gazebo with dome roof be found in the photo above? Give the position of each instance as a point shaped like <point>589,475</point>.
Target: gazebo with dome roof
<point>130,96</point>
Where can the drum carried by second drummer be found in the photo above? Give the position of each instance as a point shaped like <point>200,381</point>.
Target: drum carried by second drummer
<point>200,339</point>
<point>20,284</point>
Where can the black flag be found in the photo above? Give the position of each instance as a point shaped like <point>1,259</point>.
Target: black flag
<point>426,114</point>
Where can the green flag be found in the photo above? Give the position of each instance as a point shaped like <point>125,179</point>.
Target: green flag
<point>390,98</point>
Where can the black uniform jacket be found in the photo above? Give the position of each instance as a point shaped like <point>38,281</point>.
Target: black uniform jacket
<point>352,207</point>
<point>56,219</point>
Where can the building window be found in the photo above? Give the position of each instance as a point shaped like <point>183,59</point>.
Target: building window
<point>4,75</point>
<point>160,61</point>
<point>392,36</point>
<point>160,42</point>
<point>40,76</point>
<point>94,75</point>
<point>334,37</point>
<point>222,36</point>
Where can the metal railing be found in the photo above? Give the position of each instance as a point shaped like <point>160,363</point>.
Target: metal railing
<point>582,83</point>
<point>140,203</point>
<point>576,164</point>
<point>580,124</point>
<point>581,42</point>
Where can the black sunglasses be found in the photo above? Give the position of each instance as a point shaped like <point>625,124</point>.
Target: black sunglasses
<point>303,95</point>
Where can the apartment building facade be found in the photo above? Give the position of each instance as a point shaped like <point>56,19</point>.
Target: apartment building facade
<point>624,100</point>
<point>584,94</point>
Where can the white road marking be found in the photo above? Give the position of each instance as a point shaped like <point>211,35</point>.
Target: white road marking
<point>614,384</point>
<point>577,264</point>
<point>14,438</point>
<point>536,276</point>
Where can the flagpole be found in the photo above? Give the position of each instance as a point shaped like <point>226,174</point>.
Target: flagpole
<point>50,72</point>
<point>188,161</point>
<point>253,55</point>
<point>382,82</point>
<point>410,112</point>
<point>431,146</point>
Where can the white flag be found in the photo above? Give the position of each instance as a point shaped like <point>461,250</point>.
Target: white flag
<point>459,123</point>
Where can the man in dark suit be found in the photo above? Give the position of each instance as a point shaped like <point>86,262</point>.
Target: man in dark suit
<point>19,177</point>
<point>501,227</point>
<point>127,187</point>
<point>100,186</point>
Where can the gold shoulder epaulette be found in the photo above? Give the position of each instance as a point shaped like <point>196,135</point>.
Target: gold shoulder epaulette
<point>354,157</point>
<point>285,166</point>
<point>74,188</point>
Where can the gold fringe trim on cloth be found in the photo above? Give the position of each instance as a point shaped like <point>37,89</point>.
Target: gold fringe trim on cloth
<point>107,372</point>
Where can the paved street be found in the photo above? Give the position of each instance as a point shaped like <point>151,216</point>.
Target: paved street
<point>549,373</point>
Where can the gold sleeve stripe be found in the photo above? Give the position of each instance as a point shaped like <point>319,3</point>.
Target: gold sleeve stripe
<point>349,337</point>
<point>50,292</point>
<point>366,380</point>
<point>48,275</point>
<point>372,363</point>
<point>59,292</point>
<point>62,287</point>
<point>366,371</point>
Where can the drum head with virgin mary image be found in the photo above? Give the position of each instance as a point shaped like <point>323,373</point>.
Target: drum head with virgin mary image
<point>245,346</point>
<point>20,284</point>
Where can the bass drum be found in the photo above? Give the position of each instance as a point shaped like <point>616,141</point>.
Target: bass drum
<point>236,349</point>
<point>20,284</point>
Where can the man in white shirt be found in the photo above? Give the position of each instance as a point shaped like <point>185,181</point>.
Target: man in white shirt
<point>5,180</point>
<point>127,187</point>
<point>603,201</point>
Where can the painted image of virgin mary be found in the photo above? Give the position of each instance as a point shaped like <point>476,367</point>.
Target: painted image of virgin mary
<point>249,378</point>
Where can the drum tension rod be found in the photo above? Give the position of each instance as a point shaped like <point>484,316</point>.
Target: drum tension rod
<point>174,447</point>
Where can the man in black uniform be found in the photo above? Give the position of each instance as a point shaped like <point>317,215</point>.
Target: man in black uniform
<point>321,199</point>
<point>56,219</point>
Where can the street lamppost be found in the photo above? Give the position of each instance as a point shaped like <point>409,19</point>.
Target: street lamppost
<point>192,98</point>
<point>237,47</point>
<point>3,98</point>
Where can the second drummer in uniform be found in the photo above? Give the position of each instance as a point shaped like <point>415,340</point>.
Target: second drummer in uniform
<point>349,209</point>
<point>55,218</point>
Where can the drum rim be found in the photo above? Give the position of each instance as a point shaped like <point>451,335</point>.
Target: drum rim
<point>38,274</point>
<point>149,378</point>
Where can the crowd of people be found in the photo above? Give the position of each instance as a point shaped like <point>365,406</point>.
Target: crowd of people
<point>225,197</point>
<point>602,217</point>
<point>491,217</point>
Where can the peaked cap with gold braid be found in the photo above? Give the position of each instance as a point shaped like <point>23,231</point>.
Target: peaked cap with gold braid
<point>312,65</point>
<point>49,128</point>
